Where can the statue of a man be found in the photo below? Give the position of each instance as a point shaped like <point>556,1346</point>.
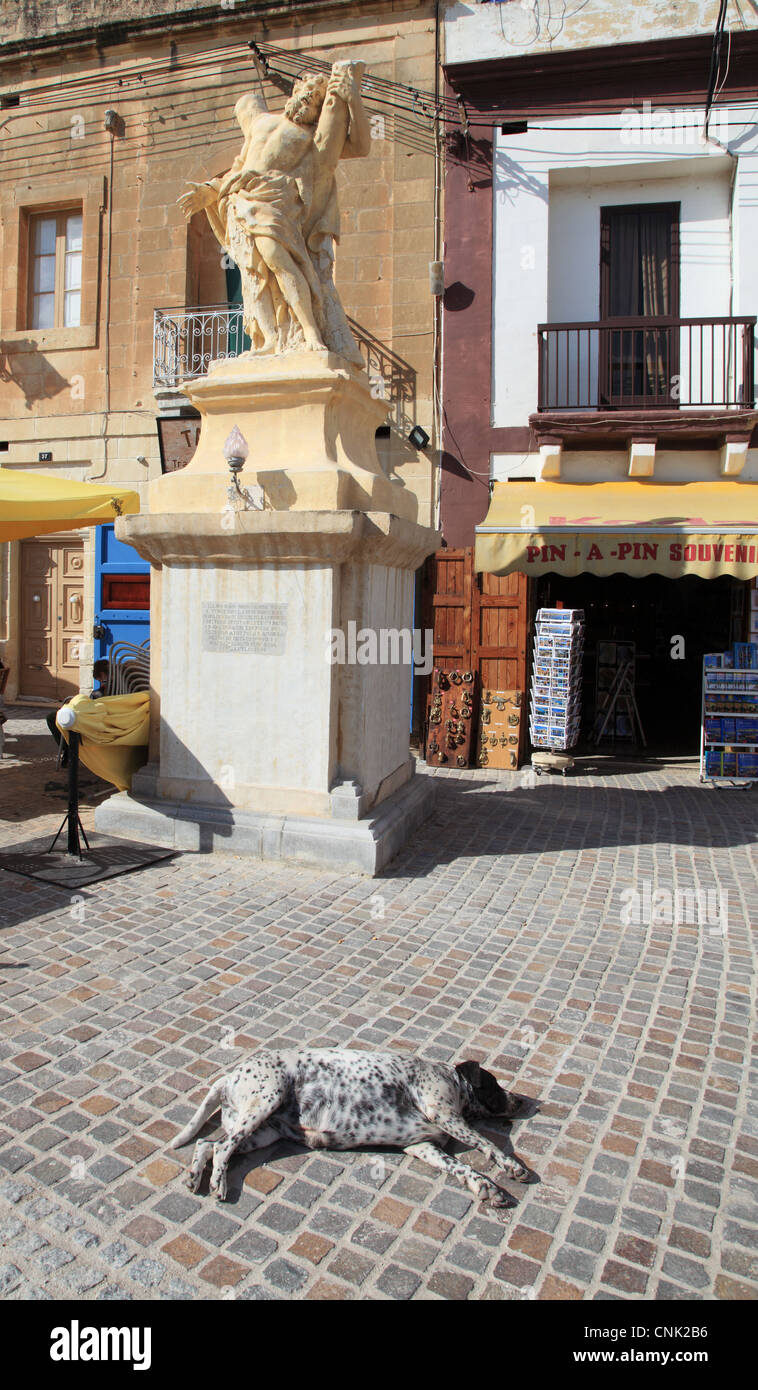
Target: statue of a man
<point>275,212</point>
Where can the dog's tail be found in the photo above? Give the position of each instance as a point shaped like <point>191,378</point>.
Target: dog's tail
<point>204,1111</point>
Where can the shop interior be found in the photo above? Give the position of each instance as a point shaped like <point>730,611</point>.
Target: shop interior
<point>657,629</point>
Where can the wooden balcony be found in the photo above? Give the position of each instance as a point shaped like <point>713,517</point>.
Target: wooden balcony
<point>678,381</point>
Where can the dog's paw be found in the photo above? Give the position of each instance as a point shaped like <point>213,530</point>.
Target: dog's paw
<point>516,1170</point>
<point>217,1189</point>
<point>193,1181</point>
<point>488,1192</point>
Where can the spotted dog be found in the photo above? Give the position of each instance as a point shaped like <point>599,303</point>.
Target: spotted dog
<point>340,1099</point>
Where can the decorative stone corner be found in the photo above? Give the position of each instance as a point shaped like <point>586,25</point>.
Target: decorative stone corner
<point>733,455</point>
<point>551,451</point>
<point>641,458</point>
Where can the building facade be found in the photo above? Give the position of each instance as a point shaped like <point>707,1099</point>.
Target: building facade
<point>109,299</point>
<point>601,293</point>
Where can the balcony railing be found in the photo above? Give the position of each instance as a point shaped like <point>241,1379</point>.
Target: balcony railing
<point>187,340</point>
<point>646,364</point>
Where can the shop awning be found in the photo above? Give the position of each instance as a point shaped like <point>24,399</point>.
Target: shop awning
<point>35,504</point>
<point>634,527</point>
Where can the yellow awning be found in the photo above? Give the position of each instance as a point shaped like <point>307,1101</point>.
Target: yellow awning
<point>634,527</point>
<point>34,504</point>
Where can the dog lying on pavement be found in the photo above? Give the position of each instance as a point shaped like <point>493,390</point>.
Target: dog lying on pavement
<point>338,1099</point>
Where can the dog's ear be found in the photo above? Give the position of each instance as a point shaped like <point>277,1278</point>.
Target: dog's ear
<point>470,1071</point>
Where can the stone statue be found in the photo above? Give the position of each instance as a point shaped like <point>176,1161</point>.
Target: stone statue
<point>275,212</point>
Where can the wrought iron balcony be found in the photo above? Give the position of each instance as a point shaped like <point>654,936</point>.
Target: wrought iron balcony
<point>187,340</point>
<point>640,364</point>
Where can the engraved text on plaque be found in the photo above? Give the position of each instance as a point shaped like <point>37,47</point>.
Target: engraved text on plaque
<point>258,628</point>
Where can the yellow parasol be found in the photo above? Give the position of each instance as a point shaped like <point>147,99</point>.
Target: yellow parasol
<point>34,504</point>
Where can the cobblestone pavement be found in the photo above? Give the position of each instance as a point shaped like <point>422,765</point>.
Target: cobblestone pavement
<point>499,933</point>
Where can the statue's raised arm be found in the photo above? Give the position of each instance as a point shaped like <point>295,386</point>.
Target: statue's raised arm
<point>343,130</point>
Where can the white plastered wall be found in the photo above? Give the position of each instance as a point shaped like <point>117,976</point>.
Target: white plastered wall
<point>549,186</point>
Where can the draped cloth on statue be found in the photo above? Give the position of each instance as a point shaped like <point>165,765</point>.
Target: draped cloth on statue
<point>267,205</point>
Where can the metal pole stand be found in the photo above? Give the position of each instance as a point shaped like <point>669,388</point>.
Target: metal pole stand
<point>71,818</point>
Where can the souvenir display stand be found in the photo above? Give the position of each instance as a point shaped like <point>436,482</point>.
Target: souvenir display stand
<point>555,707</point>
<point>729,723</point>
<point>500,728</point>
<point>451,718</point>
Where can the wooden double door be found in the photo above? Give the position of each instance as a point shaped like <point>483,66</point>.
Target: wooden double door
<point>52,617</point>
<point>480,621</point>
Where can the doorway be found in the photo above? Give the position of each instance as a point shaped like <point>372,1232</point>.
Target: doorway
<point>668,625</point>
<point>639,284</point>
<point>52,618</point>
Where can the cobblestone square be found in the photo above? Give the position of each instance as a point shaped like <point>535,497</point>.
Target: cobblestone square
<point>502,932</point>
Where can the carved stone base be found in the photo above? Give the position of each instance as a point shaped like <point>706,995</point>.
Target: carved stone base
<point>347,845</point>
<point>310,421</point>
<point>269,735</point>
<point>255,725</point>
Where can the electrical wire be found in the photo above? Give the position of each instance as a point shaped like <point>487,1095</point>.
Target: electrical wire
<point>106,413</point>
<point>414,116</point>
<point>398,95</point>
<point>417,108</point>
<point>715,69</point>
<point>414,104</point>
<point>722,84</point>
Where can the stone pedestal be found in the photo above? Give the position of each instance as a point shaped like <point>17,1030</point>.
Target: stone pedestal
<point>262,744</point>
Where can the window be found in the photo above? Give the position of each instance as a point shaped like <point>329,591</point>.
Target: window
<point>55,263</point>
<point>126,591</point>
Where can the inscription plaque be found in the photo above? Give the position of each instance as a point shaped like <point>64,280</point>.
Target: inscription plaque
<point>257,628</point>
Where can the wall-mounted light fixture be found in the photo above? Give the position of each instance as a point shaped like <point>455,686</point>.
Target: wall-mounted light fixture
<point>235,452</point>
<point>418,437</point>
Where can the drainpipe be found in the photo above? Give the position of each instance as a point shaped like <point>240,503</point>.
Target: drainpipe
<point>111,125</point>
<point>712,140</point>
<point>437,334</point>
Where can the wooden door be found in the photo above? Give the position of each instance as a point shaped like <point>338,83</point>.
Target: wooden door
<point>480,621</point>
<point>52,618</point>
<point>450,578</point>
<point>499,630</point>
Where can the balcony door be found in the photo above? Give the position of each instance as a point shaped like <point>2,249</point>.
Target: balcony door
<point>639,301</point>
<point>238,338</point>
